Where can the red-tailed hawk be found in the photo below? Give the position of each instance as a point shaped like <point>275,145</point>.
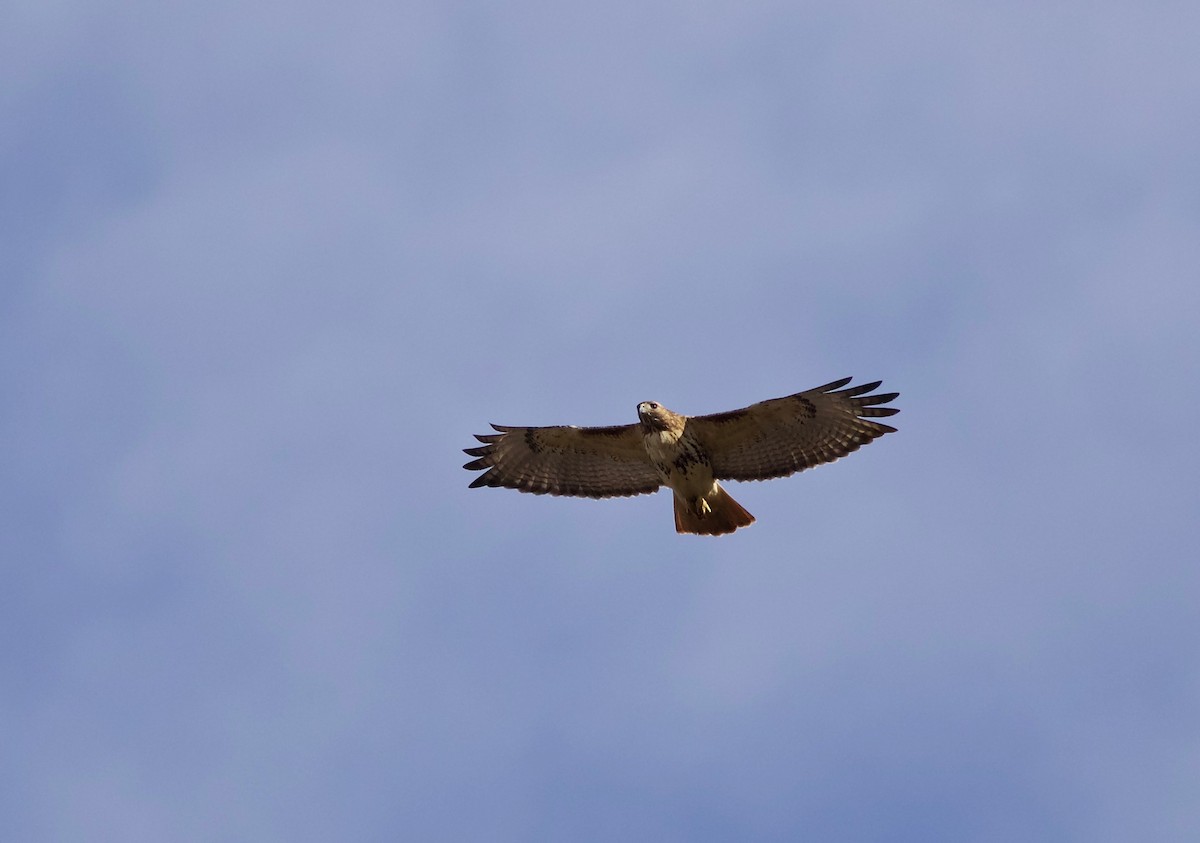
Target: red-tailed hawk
<point>688,454</point>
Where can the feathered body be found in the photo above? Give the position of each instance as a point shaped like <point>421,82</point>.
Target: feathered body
<point>688,454</point>
<point>701,505</point>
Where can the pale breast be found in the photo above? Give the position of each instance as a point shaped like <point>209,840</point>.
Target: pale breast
<point>661,445</point>
<point>680,461</point>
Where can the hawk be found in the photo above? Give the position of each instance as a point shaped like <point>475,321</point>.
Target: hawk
<point>687,454</point>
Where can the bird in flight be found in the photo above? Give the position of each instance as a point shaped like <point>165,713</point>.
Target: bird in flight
<point>687,454</point>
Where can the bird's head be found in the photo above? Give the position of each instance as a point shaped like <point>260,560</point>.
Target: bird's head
<point>654,416</point>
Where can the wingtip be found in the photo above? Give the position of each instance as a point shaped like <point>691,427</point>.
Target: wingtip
<point>861,389</point>
<point>837,384</point>
<point>481,480</point>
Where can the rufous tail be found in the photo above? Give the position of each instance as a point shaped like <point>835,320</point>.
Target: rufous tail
<point>723,515</point>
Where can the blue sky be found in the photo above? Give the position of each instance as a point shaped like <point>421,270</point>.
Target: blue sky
<point>266,268</point>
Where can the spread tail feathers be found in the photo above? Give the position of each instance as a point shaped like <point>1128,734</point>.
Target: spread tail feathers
<point>714,515</point>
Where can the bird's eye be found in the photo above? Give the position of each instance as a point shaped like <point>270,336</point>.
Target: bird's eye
<point>653,406</point>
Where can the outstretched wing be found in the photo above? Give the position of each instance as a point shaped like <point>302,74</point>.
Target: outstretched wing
<point>784,435</point>
<point>592,462</point>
